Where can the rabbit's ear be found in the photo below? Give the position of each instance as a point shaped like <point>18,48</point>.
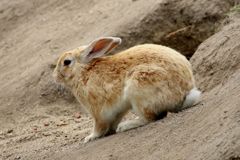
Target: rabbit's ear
<point>99,48</point>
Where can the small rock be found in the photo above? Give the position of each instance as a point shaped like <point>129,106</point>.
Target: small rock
<point>46,134</point>
<point>62,123</point>
<point>46,124</point>
<point>77,115</point>
<point>35,128</point>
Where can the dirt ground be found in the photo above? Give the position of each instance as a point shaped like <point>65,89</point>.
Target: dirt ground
<point>42,120</point>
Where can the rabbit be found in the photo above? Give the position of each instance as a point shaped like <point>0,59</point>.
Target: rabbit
<point>148,79</point>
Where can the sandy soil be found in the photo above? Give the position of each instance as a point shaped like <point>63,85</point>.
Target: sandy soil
<point>41,120</point>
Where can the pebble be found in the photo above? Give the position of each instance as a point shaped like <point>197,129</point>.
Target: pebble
<point>46,124</point>
<point>46,134</point>
<point>35,128</point>
<point>62,123</point>
<point>77,115</point>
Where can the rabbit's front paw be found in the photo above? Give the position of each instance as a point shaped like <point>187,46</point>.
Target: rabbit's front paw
<point>89,138</point>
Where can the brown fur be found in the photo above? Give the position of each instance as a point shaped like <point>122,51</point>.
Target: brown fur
<point>147,73</point>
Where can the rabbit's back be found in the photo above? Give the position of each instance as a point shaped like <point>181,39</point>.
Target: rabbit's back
<point>141,54</point>
<point>117,66</point>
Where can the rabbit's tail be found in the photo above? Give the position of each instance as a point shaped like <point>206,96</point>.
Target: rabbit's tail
<point>192,98</point>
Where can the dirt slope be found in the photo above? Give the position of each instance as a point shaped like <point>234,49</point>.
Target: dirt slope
<point>211,130</point>
<point>39,119</point>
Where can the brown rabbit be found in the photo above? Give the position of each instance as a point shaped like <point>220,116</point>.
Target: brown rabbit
<point>148,79</point>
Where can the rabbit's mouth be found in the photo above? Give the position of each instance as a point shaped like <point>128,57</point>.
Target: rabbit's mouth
<point>58,77</point>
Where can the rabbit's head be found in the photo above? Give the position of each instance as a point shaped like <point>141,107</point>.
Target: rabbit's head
<point>66,67</point>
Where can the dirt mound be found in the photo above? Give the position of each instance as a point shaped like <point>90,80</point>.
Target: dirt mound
<point>218,57</point>
<point>211,130</point>
<point>181,25</point>
<point>41,117</point>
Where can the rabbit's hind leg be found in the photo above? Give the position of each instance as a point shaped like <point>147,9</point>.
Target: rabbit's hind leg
<point>131,124</point>
<point>143,95</point>
<point>145,116</point>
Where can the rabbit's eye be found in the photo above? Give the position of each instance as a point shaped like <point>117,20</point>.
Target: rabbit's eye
<point>67,62</point>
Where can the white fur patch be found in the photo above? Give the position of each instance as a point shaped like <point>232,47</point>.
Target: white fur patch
<point>109,113</point>
<point>192,98</point>
<point>131,124</point>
